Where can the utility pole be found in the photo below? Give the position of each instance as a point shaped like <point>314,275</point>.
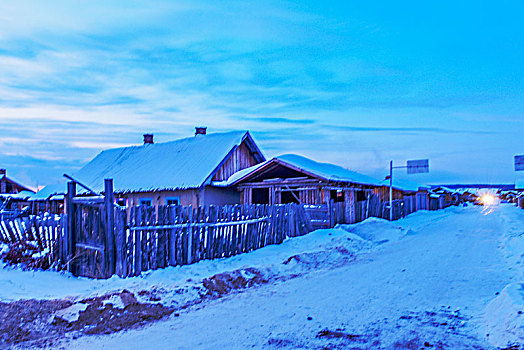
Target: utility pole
<point>391,191</point>
<point>418,166</point>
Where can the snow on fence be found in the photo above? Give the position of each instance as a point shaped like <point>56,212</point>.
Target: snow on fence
<point>181,235</point>
<point>8,214</point>
<point>43,233</point>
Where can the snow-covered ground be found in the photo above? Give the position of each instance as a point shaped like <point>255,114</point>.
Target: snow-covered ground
<point>445,279</point>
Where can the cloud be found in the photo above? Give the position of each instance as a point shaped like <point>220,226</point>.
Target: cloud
<point>276,120</point>
<point>415,130</point>
<point>341,83</point>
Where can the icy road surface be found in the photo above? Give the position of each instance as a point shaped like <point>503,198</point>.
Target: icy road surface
<point>428,286</point>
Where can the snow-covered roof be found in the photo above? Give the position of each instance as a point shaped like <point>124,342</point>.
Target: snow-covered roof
<point>239,174</point>
<point>329,172</point>
<point>443,189</point>
<point>186,163</point>
<point>21,195</point>
<point>50,190</point>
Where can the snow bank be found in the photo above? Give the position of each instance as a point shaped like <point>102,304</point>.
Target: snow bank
<point>512,240</point>
<point>504,317</point>
<point>327,246</point>
<point>376,230</point>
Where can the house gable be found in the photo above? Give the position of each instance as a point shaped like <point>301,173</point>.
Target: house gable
<point>241,158</point>
<point>8,185</point>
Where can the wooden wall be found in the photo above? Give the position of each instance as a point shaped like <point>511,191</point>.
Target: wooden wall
<point>187,197</point>
<point>220,196</point>
<point>308,191</point>
<point>240,159</point>
<point>7,186</point>
<point>193,197</point>
<point>383,193</point>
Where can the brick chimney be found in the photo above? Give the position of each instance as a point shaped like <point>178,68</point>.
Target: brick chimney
<point>2,171</point>
<point>148,139</point>
<point>200,130</point>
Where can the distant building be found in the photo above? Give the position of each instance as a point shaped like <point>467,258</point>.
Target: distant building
<point>10,186</point>
<point>405,189</point>
<point>13,195</point>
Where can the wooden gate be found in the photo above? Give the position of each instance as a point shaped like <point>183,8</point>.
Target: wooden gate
<point>318,215</point>
<point>90,232</point>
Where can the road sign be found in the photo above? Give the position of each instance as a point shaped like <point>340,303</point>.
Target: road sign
<point>418,166</point>
<point>519,163</point>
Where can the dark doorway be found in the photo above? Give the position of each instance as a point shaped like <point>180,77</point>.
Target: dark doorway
<point>337,195</point>
<point>361,196</point>
<point>260,196</point>
<point>289,196</point>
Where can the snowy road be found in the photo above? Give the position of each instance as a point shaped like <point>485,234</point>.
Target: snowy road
<point>431,287</point>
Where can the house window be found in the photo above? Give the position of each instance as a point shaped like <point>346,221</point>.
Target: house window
<point>148,202</point>
<point>172,200</point>
<point>121,202</point>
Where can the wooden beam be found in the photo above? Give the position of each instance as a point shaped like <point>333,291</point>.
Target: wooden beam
<point>70,231</point>
<point>280,183</point>
<point>110,227</point>
<point>293,193</point>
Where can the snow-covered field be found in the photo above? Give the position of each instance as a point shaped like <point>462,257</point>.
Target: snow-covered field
<point>449,279</point>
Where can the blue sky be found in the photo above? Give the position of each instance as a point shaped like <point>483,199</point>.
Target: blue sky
<point>350,82</point>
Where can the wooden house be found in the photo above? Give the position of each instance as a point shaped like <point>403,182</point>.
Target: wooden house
<point>295,179</point>
<point>177,172</point>
<point>50,199</point>
<point>443,197</point>
<point>13,195</point>
<point>10,186</point>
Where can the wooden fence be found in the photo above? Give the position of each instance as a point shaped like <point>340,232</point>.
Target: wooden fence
<point>333,213</point>
<point>98,239</point>
<point>181,235</point>
<point>156,238</point>
<point>46,233</point>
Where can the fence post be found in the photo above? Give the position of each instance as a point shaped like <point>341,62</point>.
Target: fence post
<point>331,218</point>
<point>70,227</point>
<point>120,243</point>
<point>190,235</point>
<point>110,227</point>
<point>351,210</point>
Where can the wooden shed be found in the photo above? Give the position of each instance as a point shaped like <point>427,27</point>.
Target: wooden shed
<point>295,179</point>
